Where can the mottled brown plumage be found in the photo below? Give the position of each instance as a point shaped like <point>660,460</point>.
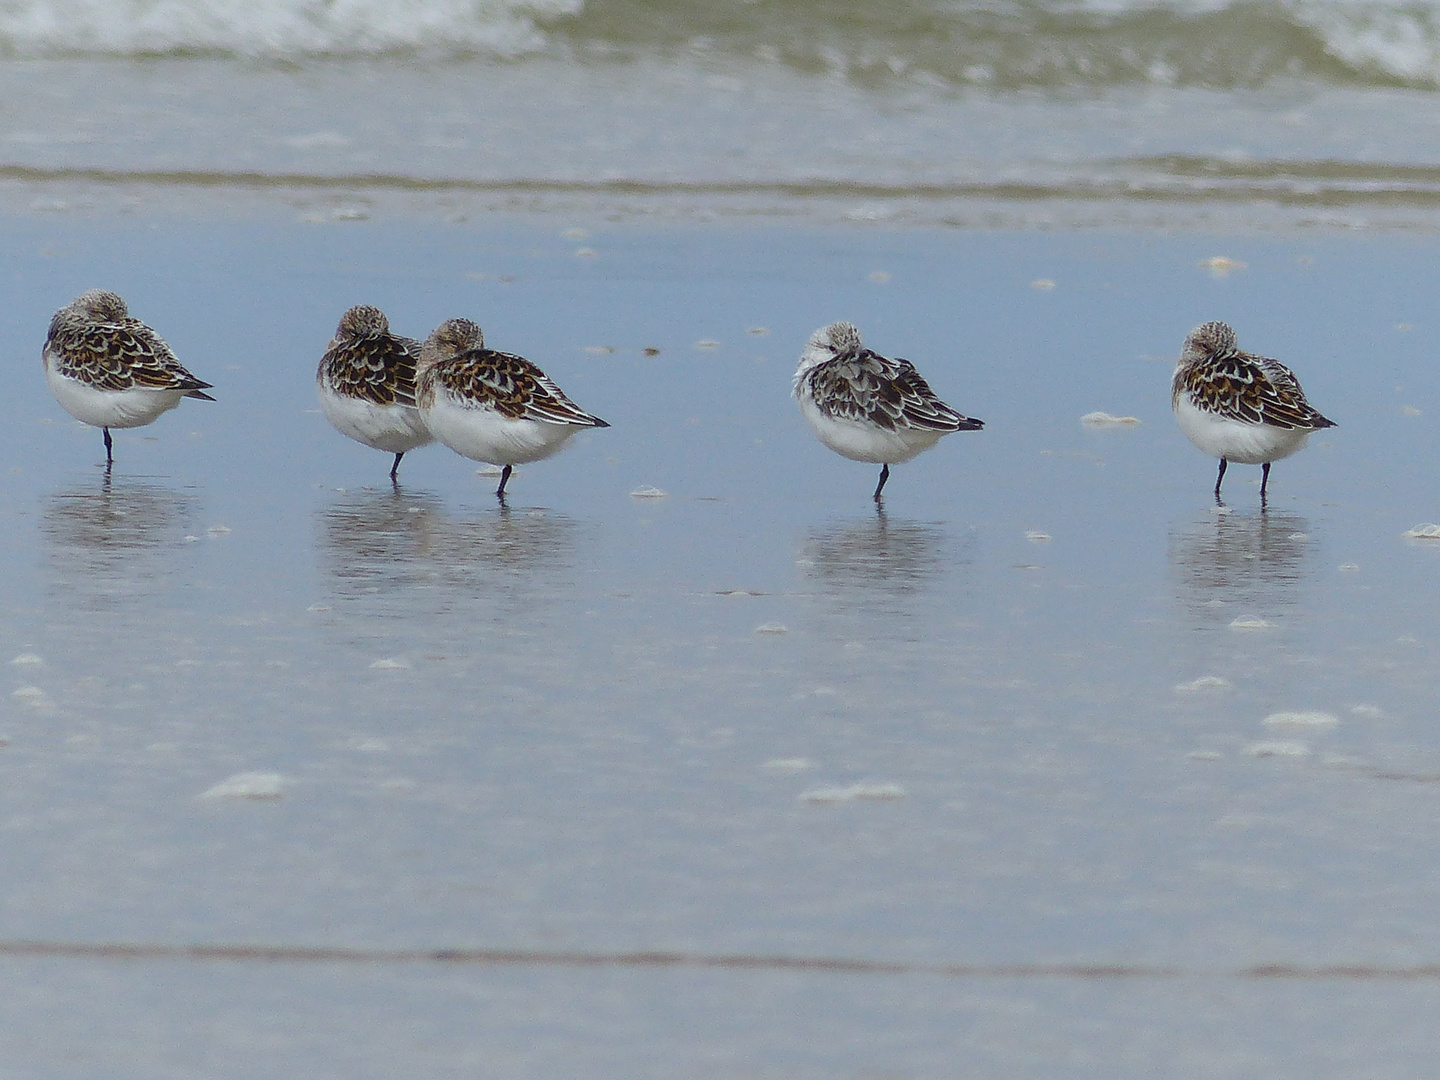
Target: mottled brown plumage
<point>95,341</point>
<point>367,362</point>
<point>863,385</point>
<point>1218,378</point>
<point>455,359</point>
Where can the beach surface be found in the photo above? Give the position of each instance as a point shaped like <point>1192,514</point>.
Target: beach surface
<point>690,760</point>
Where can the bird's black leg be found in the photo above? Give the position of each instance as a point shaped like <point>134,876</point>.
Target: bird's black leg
<point>884,475</point>
<point>396,467</point>
<point>1219,478</point>
<point>504,479</point>
<point>109,455</point>
<point>1264,481</point>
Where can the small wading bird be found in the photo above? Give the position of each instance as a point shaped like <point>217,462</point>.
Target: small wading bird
<point>492,406</point>
<point>111,371</point>
<point>1238,406</point>
<point>366,384</point>
<point>867,407</point>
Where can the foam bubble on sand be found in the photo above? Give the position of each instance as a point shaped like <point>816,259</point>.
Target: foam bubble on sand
<point>1203,684</point>
<point>707,343</point>
<point>1220,266</point>
<point>32,696</point>
<point>1106,420</point>
<point>772,628</point>
<point>648,492</point>
<point>789,764</point>
<point>1367,712</point>
<point>391,663</point>
<point>1251,622</point>
<point>27,659</point>
<point>1277,748</point>
<point>1310,720</point>
<point>1409,410</point>
<point>217,531</point>
<point>259,786</point>
<point>1035,536</point>
<point>1042,284</point>
<point>870,791</point>
<point>1348,568</point>
<point>1424,531</point>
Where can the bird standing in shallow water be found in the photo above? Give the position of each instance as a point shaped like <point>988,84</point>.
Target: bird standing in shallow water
<point>867,407</point>
<point>366,384</point>
<point>1238,406</point>
<point>111,371</point>
<point>492,406</point>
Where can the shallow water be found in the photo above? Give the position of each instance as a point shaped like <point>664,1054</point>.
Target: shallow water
<point>596,723</point>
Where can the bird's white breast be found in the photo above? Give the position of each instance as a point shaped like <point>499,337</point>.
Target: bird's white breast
<point>392,428</point>
<point>1236,440</point>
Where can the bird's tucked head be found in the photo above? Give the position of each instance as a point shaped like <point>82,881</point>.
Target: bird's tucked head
<point>363,320</point>
<point>1208,341</point>
<point>101,306</point>
<point>825,344</point>
<point>450,339</point>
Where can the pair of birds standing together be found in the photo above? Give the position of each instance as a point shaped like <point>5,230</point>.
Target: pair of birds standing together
<point>1233,405</point>
<point>393,393</point>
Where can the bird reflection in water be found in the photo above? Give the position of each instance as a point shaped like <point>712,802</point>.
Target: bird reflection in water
<point>392,542</point>
<point>117,540</point>
<point>876,554</point>
<point>1236,564</point>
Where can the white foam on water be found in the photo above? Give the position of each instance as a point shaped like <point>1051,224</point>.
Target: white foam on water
<point>391,663</point>
<point>1204,684</point>
<point>27,660</point>
<point>1107,420</point>
<point>772,628</point>
<point>1301,720</point>
<point>257,786</point>
<point>1424,531</point>
<point>853,792</point>
<point>1248,623</point>
<point>284,28</point>
<point>1277,748</point>
<point>647,492</point>
<point>789,765</point>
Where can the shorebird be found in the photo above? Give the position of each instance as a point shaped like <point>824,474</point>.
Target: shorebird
<point>366,384</point>
<point>867,407</point>
<point>111,371</point>
<point>1238,406</point>
<point>492,406</point>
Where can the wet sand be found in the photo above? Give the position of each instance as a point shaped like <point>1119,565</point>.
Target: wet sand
<point>1017,718</point>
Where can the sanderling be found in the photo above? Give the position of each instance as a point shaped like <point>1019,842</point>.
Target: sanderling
<point>1238,406</point>
<point>492,406</point>
<point>366,384</point>
<point>109,370</point>
<point>867,407</point>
